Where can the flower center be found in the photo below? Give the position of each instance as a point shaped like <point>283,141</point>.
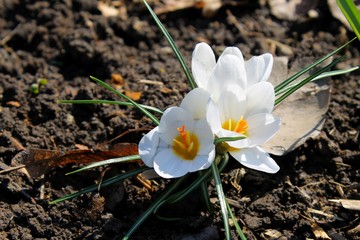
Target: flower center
<point>186,144</point>
<point>240,126</point>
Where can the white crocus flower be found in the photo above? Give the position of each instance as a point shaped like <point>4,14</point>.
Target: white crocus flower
<point>183,142</point>
<point>229,69</point>
<point>246,113</point>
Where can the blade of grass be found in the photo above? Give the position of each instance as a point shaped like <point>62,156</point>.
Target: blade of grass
<point>105,183</point>
<point>351,13</point>
<point>135,104</point>
<point>227,139</point>
<point>308,68</point>
<point>236,224</point>
<point>323,75</point>
<point>222,200</point>
<point>173,46</point>
<point>153,206</point>
<point>105,162</point>
<point>306,80</point>
<point>91,101</point>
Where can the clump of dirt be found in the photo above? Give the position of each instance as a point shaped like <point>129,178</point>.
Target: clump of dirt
<point>67,41</point>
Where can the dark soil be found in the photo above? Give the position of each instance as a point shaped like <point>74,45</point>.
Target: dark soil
<point>67,41</point>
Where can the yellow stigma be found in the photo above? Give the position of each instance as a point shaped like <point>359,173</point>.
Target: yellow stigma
<point>186,144</point>
<point>240,126</point>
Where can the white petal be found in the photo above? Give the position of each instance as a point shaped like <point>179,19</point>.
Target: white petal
<point>232,103</point>
<point>168,165</point>
<point>228,70</point>
<point>213,117</point>
<point>202,64</point>
<point>195,102</point>
<point>262,127</point>
<point>260,98</point>
<point>233,51</point>
<point>172,119</point>
<point>205,136</point>
<point>148,146</point>
<point>256,158</point>
<point>235,144</point>
<point>258,68</point>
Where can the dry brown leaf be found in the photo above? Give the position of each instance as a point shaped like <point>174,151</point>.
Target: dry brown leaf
<point>13,104</point>
<point>348,203</point>
<point>302,114</point>
<point>117,79</point>
<point>319,232</point>
<point>133,95</point>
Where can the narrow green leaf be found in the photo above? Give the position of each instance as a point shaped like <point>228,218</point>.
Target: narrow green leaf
<point>308,68</point>
<point>323,75</point>
<point>236,224</point>
<point>135,104</point>
<point>173,46</point>
<point>306,80</point>
<point>104,183</point>
<point>222,200</point>
<point>91,101</point>
<point>351,13</point>
<point>227,139</point>
<point>106,162</point>
<point>153,206</point>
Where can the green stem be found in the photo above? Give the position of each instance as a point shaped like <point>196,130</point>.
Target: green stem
<point>153,206</point>
<point>222,200</point>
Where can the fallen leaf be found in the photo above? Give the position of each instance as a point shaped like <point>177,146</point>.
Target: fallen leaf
<point>337,13</point>
<point>39,161</point>
<point>319,232</point>
<point>133,95</point>
<point>302,114</point>
<point>117,79</point>
<point>13,104</point>
<point>348,203</point>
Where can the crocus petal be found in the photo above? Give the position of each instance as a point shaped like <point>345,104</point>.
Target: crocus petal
<point>202,64</point>
<point>258,68</point>
<point>205,136</point>
<point>256,158</point>
<point>213,117</point>
<point>148,146</point>
<point>232,103</point>
<point>233,51</point>
<point>168,165</point>
<point>235,144</point>
<point>228,70</point>
<point>172,119</point>
<point>195,103</point>
<point>260,98</point>
<point>262,127</point>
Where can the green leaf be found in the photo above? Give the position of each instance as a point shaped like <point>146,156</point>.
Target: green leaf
<point>222,200</point>
<point>173,46</point>
<point>104,183</point>
<point>135,104</point>
<point>306,80</point>
<point>105,162</point>
<point>227,139</point>
<point>323,75</point>
<point>91,101</point>
<point>351,13</point>
<point>308,68</point>
<point>153,206</point>
<point>236,224</point>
